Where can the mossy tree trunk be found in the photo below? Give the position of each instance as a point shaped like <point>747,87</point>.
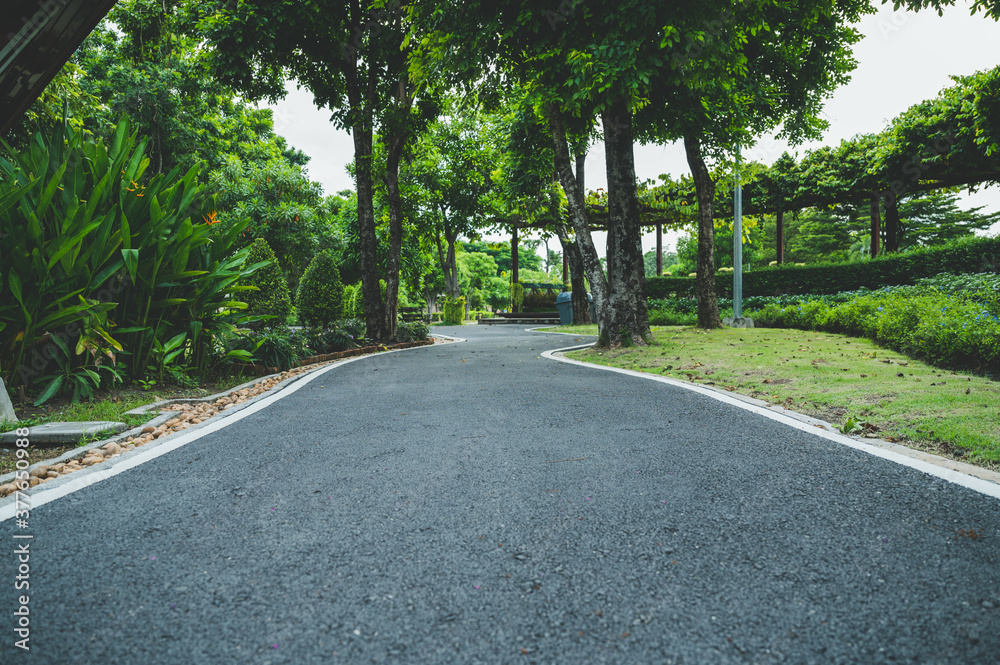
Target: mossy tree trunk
<point>708,304</point>
<point>628,317</point>
<point>579,218</point>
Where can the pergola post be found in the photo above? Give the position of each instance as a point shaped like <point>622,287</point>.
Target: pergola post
<point>875,247</point>
<point>513,255</point>
<point>659,249</point>
<point>781,236</point>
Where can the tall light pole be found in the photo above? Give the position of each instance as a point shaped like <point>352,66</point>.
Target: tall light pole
<point>738,243</point>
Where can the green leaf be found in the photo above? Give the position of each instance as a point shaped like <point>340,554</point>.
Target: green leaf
<point>50,390</point>
<point>174,342</point>
<point>131,257</point>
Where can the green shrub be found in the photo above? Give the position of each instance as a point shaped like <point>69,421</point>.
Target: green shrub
<point>412,332</point>
<point>454,311</point>
<point>971,254</point>
<point>945,329</point>
<point>355,328</point>
<point>347,302</point>
<point>517,296</point>
<point>320,300</point>
<point>331,339</point>
<point>357,306</point>
<point>666,317</point>
<point>271,301</point>
<point>275,347</point>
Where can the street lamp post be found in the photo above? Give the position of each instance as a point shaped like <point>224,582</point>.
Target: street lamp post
<point>737,320</point>
<point>738,243</point>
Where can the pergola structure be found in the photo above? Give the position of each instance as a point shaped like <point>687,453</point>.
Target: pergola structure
<point>39,37</point>
<point>649,217</point>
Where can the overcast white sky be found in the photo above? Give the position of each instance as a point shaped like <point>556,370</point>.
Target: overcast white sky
<point>905,57</point>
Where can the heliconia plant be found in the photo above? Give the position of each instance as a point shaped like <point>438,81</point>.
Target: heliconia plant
<point>89,245</point>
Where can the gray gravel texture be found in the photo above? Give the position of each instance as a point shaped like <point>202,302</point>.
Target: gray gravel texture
<point>412,508</point>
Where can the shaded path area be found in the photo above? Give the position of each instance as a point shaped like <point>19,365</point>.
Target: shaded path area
<point>476,503</point>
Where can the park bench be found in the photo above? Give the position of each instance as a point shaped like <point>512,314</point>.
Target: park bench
<point>410,314</point>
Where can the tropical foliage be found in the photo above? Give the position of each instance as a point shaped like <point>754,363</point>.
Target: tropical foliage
<point>126,270</point>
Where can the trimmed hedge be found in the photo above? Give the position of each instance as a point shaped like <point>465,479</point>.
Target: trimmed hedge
<point>321,293</point>
<point>454,311</point>
<point>962,256</point>
<point>272,297</point>
<point>516,296</point>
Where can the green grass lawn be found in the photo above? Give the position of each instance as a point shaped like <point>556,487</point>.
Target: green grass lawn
<point>835,378</point>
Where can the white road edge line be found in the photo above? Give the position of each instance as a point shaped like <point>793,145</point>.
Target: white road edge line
<point>957,477</point>
<point>96,475</point>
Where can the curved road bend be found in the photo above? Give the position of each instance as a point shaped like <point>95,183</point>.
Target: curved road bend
<point>476,503</point>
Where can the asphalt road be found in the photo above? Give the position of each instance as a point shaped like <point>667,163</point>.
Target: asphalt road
<point>477,503</point>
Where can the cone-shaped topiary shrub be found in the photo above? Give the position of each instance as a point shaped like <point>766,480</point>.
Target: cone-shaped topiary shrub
<point>320,300</point>
<point>347,310</point>
<point>272,297</point>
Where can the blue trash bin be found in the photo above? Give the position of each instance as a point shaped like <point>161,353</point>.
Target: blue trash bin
<point>564,303</point>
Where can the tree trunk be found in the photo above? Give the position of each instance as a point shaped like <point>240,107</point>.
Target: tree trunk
<point>892,225</point>
<point>456,289</point>
<point>876,227</point>
<point>362,102</point>
<point>581,162</point>
<point>394,152</point>
<point>447,262</point>
<point>708,304</point>
<point>374,313</point>
<point>581,224</point>
<point>781,237</point>
<point>578,284</point>
<point>395,143</point>
<point>629,318</point>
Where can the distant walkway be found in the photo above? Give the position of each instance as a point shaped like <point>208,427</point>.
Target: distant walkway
<point>478,503</point>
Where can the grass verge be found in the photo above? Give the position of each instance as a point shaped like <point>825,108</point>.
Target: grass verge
<point>850,382</point>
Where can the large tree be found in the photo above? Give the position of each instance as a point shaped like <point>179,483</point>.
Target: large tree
<point>352,56</point>
<point>452,167</point>
<point>576,61</point>
<point>737,74</point>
